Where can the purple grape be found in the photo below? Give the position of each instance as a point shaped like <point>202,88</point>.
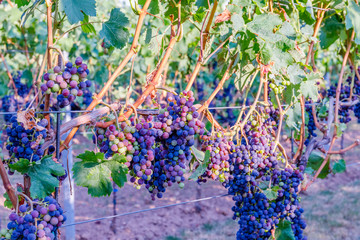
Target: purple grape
<point>78,61</point>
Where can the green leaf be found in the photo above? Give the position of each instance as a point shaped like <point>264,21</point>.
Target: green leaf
<point>270,194</point>
<point>296,74</point>
<point>74,9</point>
<point>199,155</point>
<point>340,128</point>
<point>309,87</point>
<point>22,166</point>
<point>43,175</point>
<point>21,3</point>
<point>154,7</point>
<point>352,19</point>
<point>339,166</point>
<point>263,185</point>
<point>200,14</point>
<point>315,161</point>
<point>202,167</point>
<point>238,22</point>
<point>330,32</point>
<point>203,3</point>
<point>263,26</point>
<point>283,231</point>
<point>115,29</point>
<point>95,173</point>
<point>87,27</point>
<point>7,202</point>
<point>186,9</point>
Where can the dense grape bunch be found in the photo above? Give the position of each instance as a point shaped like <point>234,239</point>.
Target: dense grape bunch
<point>287,205</point>
<point>37,222</point>
<point>344,111</point>
<point>26,142</point>
<point>176,127</point>
<point>254,161</point>
<point>22,89</point>
<point>141,168</point>
<point>113,140</point>
<point>68,83</point>
<point>8,104</point>
<point>311,123</point>
<point>218,167</point>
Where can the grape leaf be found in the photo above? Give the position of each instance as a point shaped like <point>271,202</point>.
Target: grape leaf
<point>7,202</point>
<point>202,167</point>
<point>315,161</point>
<point>238,22</point>
<point>263,26</point>
<point>352,19</point>
<point>86,26</point>
<point>200,14</point>
<point>340,128</point>
<point>270,194</point>
<point>309,87</point>
<point>43,175</point>
<point>21,3</point>
<point>186,7</point>
<point>339,166</point>
<point>115,29</point>
<point>295,73</point>
<point>330,32</point>
<point>95,173</point>
<point>74,9</point>
<point>284,231</point>
<point>154,7</point>
<point>203,3</point>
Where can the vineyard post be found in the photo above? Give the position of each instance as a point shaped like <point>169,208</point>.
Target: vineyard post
<point>67,186</point>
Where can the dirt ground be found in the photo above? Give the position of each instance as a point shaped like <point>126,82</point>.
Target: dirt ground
<point>331,208</point>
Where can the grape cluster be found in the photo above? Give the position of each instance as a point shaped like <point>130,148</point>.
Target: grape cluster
<point>113,140</point>
<point>218,167</point>
<point>68,83</point>
<point>311,123</point>
<point>287,205</point>
<point>37,222</point>
<point>22,89</point>
<point>141,167</point>
<point>26,143</point>
<point>176,127</point>
<point>8,104</point>
<point>255,168</point>
<point>344,111</point>
<point>87,97</point>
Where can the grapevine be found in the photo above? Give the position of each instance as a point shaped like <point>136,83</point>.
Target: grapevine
<point>251,96</point>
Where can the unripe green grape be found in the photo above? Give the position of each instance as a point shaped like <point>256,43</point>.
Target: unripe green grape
<point>55,88</point>
<point>52,76</point>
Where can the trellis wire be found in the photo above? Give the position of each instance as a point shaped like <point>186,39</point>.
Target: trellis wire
<point>144,110</point>
<point>144,210</point>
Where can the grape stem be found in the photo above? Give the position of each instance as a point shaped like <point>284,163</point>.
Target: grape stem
<point>225,77</point>
<point>253,106</point>
<point>203,39</point>
<point>132,52</point>
<point>7,185</point>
